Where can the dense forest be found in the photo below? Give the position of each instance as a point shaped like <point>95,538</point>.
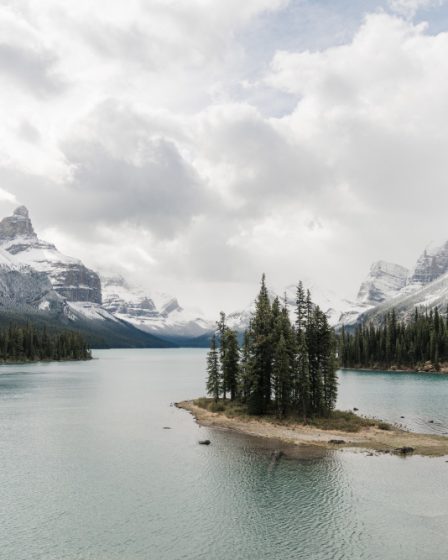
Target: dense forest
<point>29,344</point>
<point>281,368</point>
<point>397,343</point>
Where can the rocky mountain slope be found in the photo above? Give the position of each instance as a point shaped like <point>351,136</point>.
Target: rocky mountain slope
<point>383,282</point>
<point>426,286</point>
<point>22,286</point>
<point>157,313</point>
<point>432,264</point>
<point>40,284</point>
<point>68,276</point>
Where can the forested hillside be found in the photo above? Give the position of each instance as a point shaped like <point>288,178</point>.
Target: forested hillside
<point>29,344</point>
<point>397,343</point>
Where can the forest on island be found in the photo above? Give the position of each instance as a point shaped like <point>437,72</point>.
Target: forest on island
<point>424,338</point>
<point>283,367</point>
<point>29,344</point>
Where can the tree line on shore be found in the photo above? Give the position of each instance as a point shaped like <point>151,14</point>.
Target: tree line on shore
<point>27,343</point>
<point>282,368</point>
<point>424,338</point>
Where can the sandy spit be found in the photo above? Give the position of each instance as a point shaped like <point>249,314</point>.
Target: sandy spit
<point>370,439</point>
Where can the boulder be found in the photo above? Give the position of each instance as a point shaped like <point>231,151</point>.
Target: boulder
<point>405,450</point>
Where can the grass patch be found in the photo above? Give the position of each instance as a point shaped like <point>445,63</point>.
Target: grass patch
<point>216,407</point>
<point>344,421</point>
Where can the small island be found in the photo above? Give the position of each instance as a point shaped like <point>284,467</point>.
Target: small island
<point>282,384</point>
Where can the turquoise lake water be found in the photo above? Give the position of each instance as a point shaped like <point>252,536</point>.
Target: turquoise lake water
<point>87,471</point>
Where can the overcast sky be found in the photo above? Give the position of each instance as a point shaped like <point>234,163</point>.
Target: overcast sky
<point>193,144</point>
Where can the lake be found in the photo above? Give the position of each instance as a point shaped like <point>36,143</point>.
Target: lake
<point>88,472</point>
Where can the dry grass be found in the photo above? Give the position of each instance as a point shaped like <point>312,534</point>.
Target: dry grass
<point>345,421</point>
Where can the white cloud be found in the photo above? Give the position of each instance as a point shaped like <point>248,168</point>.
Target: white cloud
<point>409,8</point>
<point>132,148</point>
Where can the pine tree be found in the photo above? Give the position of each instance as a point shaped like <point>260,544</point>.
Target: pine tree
<point>230,365</point>
<point>290,367</point>
<point>245,371</point>
<point>281,376</point>
<point>221,327</point>
<point>261,353</point>
<point>214,376</point>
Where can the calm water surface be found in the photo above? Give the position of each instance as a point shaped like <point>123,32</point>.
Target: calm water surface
<point>88,472</point>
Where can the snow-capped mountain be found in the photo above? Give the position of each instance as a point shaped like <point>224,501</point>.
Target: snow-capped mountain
<point>389,287</point>
<point>22,286</point>
<point>157,313</point>
<point>434,294</point>
<point>68,276</point>
<point>40,284</point>
<point>384,281</point>
<point>431,264</point>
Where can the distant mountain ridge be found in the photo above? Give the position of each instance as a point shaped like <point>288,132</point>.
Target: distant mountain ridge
<point>389,287</point>
<point>40,284</point>
<point>157,313</point>
<point>37,281</point>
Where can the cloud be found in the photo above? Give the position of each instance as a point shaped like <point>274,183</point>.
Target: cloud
<point>373,109</point>
<point>24,58</point>
<point>35,70</point>
<point>156,146</point>
<point>409,8</point>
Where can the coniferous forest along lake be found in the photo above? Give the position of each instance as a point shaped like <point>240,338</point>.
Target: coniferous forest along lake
<point>90,470</point>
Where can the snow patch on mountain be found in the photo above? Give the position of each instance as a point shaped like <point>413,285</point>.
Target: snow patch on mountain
<point>157,313</point>
<point>89,311</point>
<point>68,276</point>
<point>431,264</point>
<point>385,280</point>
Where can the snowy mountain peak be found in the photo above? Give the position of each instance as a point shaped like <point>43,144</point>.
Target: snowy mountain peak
<point>384,281</point>
<point>68,276</point>
<point>17,226</point>
<point>431,264</point>
<point>21,211</point>
<point>155,312</point>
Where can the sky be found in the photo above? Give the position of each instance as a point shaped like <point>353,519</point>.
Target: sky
<point>191,145</point>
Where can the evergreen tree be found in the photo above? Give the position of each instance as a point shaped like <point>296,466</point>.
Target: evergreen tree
<point>230,365</point>
<point>214,376</point>
<point>221,327</point>
<point>261,353</point>
<point>393,343</point>
<point>245,370</point>
<point>282,367</point>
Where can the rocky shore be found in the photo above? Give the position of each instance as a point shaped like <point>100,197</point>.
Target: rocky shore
<point>427,367</point>
<point>371,439</point>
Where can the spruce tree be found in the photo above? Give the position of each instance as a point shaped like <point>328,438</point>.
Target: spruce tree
<point>261,353</point>
<point>230,365</point>
<point>221,327</point>
<point>213,373</point>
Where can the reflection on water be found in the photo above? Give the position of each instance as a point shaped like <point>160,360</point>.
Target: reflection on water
<point>88,472</point>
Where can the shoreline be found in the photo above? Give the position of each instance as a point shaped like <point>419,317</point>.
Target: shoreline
<point>371,439</point>
<point>443,371</point>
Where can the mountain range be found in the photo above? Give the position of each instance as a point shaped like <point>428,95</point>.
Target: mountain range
<point>39,283</point>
